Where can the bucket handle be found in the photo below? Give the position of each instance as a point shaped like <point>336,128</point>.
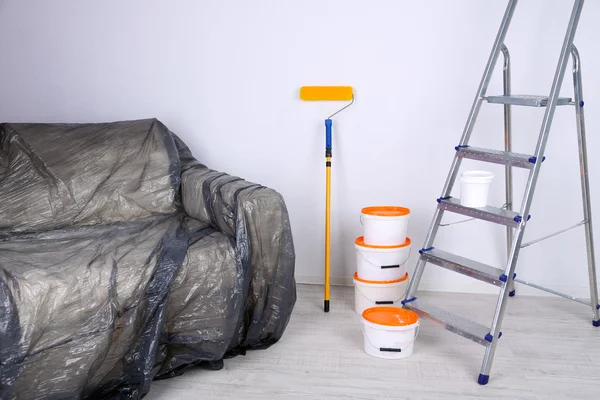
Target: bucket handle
<point>387,301</point>
<point>387,266</point>
<point>389,349</point>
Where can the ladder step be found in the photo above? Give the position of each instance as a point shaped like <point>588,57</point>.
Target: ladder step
<point>496,156</point>
<point>452,322</point>
<point>465,266</point>
<point>526,100</point>
<point>491,214</point>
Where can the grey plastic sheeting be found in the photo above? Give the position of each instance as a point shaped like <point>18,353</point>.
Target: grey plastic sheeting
<point>123,260</point>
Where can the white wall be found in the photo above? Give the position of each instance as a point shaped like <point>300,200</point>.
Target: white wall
<point>225,75</point>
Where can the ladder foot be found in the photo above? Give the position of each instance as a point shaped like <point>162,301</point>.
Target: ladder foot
<point>483,379</point>
<point>512,293</point>
<point>326,305</point>
<point>596,323</point>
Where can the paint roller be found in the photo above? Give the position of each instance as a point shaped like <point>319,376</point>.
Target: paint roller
<point>328,93</point>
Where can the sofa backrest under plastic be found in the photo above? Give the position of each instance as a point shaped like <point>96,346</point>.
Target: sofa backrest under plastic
<point>61,175</point>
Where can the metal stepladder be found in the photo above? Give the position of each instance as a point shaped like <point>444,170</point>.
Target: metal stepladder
<point>513,220</point>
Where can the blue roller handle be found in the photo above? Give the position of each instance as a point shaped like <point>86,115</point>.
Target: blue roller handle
<point>328,124</point>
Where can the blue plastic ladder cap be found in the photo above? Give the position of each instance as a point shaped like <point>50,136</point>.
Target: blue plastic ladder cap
<point>427,249</point>
<point>503,278</point>
<point>598,307</point>
<point>408,300</point>
<point>512,293</point>
<point>518,218</point>
<point>483,379</point>
<point>444,198</point>
<point>533,159</point>
<point>581,103</point>
<point>461,146</point>
<point>489,337</point>
<point>596,323</point>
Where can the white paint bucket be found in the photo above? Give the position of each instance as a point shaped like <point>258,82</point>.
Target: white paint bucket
<point>385,225</point>
<point>369,294</point>
<point>381,263</point>
<point>389,332</point>
<point>474,188</point>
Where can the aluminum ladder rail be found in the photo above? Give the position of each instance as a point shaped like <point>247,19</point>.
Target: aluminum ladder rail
<point>514,221</point>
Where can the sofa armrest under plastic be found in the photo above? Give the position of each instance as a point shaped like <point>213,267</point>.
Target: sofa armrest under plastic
<point>257,218</point>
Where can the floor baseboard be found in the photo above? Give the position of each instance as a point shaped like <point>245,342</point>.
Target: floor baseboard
<point>472,287</point>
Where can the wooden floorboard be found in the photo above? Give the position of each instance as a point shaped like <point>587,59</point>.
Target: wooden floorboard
<point>549,350</point>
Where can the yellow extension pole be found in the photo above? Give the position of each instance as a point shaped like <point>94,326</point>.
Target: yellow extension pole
<point>327,233</point>
<point>328,155</point>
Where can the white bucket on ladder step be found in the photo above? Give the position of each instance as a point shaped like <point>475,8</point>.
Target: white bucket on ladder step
<point>385,225</point>
<point>474,188</point>
<point>381,263</point>
<point>369,294</point>
<point>389,332</point>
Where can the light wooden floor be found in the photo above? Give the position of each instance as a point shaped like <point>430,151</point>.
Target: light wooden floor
<point>549,350</point>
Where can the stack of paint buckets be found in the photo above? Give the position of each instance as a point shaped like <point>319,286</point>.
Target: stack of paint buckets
<point>381,280</point>
<point>381,257</point>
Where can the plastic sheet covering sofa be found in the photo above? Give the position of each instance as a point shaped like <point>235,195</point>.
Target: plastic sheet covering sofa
<point>123,260</point>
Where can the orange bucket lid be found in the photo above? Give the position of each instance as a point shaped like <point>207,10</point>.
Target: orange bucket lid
<point>386,211</point>
<point>390,316</point>
<point>380,282</point>
<point>360,241</point>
